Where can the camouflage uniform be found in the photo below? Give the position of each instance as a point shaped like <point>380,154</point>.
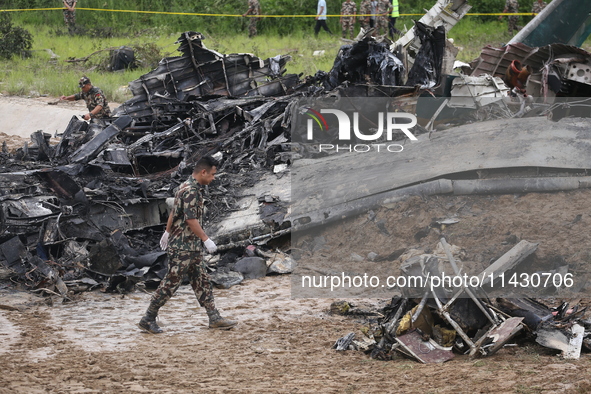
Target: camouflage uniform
<point>70,16</point>
<point>348,23</point>
<point>93,98</point>
<point>184,250</point>
<point>537,7</point>
<point>512,6</point>
<point>364,9</point>
<point>255,9</point>
<point>384,8</point>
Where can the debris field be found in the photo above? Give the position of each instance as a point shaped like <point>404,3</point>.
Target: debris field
<point>87,213</point>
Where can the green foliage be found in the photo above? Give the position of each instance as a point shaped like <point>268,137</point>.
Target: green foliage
<point>153,37</point>
<point>127,23</point>
<point>14,40</point>
<point>96,23</point>
<point>497,6</point>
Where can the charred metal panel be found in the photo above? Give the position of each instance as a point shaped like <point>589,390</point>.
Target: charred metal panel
<point>13,250</point>
<point>365,60</point>
<point>533,312</point>
<point>91,149</point>
<point>201,73</point>
<point>444,14</point>
<point>132,215</point>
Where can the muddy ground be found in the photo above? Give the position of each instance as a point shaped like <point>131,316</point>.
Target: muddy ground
<point>90,344</point>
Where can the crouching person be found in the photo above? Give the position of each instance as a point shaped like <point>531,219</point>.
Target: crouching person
<point>183,238</point>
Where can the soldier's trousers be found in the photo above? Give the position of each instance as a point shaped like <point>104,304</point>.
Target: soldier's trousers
<point>348,26</point>
<point>181,262</point>
<point>382,24</point>
<point>252,27</point>
<point>512,23</point>
<point>69,17</point>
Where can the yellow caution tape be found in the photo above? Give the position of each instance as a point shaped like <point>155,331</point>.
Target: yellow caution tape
<point>247,16</point>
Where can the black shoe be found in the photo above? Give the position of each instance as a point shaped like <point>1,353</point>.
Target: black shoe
<point>149,325</point>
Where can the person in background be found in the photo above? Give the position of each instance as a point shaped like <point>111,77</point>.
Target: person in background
<point>384,9</point>
<point>538,6</point>
<point>373,10</point>
<point>364,11</point>
<point>511,6</point>
<point>321,18</point>
<point>184,238</point>
<point>97,104</point>
<point>254,8</point>
<point>348,13</point>
<point>70,14</point>
<point>392,20</point>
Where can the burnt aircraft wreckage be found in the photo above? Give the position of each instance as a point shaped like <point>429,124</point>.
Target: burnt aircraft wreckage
<point>89,211</point>
<point>95,203</point>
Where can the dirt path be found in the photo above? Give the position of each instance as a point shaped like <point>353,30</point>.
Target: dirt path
<point>91,345</point>
<point>23,116</point>
<point>283,345</point>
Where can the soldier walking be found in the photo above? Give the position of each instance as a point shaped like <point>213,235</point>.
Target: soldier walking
<point>348,13</point>
<point>183,238</point>
<point>254,8</point>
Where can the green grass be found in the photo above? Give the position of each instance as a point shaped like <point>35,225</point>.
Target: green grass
<point>39,74</point>
<point>42,75</point>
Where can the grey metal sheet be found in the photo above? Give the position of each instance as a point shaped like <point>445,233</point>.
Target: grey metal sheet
<point>531,142</point>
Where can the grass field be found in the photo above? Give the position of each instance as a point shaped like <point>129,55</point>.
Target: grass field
<point>50,69</point>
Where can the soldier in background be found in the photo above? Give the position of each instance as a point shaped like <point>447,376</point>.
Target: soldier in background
<point>70,15</point>
<point>511,6</point>
<point>254,8</point>
<point>384,8</point>
<point>538,6</point>
<point>348,13</point>
<point>364,9</point>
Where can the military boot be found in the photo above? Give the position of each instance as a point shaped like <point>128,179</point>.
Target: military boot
<point>216,321</point>
<point>148,322</point>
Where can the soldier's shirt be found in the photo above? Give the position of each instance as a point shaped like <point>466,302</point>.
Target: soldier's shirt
<point>364,9</point>
<point>93,98</point>
<point>512,6</point>
<point>253,7</point>
<point>188,204</point>
<point>348,8</point>
<point>70,2</point>
<point>384,6</point>
<point>536,7</point>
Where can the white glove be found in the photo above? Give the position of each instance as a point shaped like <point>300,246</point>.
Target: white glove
<point>164,240</point>
<point>210,245</point>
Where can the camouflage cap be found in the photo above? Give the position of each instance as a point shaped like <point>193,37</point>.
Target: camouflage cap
<point>84,81</point>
